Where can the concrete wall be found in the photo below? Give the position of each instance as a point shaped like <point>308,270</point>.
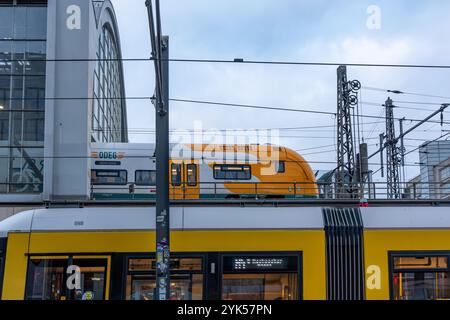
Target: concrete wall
<point>68,122</point>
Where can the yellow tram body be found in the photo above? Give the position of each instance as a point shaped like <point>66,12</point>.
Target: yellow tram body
<point>263,252</point>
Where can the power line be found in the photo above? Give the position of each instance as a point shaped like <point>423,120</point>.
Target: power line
<point>398,107</point>
<point>400,92</point>
<point>209,159</point>
<point>223,104</point>
<point>220,104</point>
<point>442,136</point>
<point>241,61</point>
<point>237,61</point>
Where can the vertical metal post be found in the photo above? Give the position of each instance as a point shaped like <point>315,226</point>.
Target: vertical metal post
<point>381,154</point>
<point>162,180</point>
<point>346,99</point>
<point>392,156</point>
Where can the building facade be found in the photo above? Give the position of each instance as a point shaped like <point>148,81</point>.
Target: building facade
<point>61,88</point>
<point>435,170</point>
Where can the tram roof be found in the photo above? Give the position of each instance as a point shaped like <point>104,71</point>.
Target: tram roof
<point>182,218</point>
<point>217,218</point>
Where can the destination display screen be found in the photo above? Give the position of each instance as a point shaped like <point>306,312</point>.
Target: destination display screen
<point>260,263</point>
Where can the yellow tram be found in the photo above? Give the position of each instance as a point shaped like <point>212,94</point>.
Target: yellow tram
<point>228,253</point>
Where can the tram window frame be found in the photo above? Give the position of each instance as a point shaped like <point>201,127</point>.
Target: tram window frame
<point>220,168</point>
<point>95,183</point>
<point>152,272</point>
<point>297,255</point>
<point>194,167</point>
<point>414,269</point>
<point>178,167</point>
<point>140,184</point>
<point>66,260</point>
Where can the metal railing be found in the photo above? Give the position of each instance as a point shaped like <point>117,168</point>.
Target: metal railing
<point>277,190</point>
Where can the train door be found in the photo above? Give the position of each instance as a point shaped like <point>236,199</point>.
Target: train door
<point>191,178</point>
<point>184,180</point>
<point>176,180</point>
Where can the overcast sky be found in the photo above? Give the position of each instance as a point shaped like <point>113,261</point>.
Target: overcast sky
<point>412,32</point>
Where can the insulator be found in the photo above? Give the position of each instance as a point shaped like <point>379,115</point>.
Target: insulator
<point>356,85</point>
<point>353,100</point>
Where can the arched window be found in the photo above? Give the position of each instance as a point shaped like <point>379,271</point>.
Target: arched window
<point>108,102</point>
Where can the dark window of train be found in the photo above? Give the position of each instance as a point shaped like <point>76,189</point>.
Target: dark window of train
<point>109,177</point>
<point>176,174</point>
<point>47,279</point>
<point>186,279</point>
<point>260,278</point>
<point>281,167</point>
<point>145,178</point>
<point>421,278</point>
<point>232,172</point>
<point>192,175</point>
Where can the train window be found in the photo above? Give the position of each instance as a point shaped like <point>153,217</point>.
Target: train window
<point>109,177</point>
<point>260,278</point>
<point>108,163</point>
<point>232,172</point>
<point>281,167</point>
<point>47,279</point>
<point>192,175</point>
<point>176,174</point>
<point>420,278</point>
<point>186,279</point>
<point>145,178</point>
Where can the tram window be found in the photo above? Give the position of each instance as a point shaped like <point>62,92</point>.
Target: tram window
<point>192,175</point>
<point>260,278</point>
<point>93,279</point>
<point>176,174</point>
<point>145,178</point>
<point>232,172</point>
<point>421,278</point>
<point>186,279</point>
<point>109,177</point>
<point>47,279</point>
<point>259,287</point>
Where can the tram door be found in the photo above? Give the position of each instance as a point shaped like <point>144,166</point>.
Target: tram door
<point>184,179</point>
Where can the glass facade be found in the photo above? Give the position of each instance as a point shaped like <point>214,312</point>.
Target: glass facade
<point>23,32</point>
<point>109,105</point>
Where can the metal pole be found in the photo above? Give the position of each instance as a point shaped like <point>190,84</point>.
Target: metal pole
<point>392,157</point>
<point>162,180</point>
<point>160,55</point>
<point>381,154</point>
<point>441,109</point>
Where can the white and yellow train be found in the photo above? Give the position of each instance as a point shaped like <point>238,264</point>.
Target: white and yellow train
<point>128,171</point>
